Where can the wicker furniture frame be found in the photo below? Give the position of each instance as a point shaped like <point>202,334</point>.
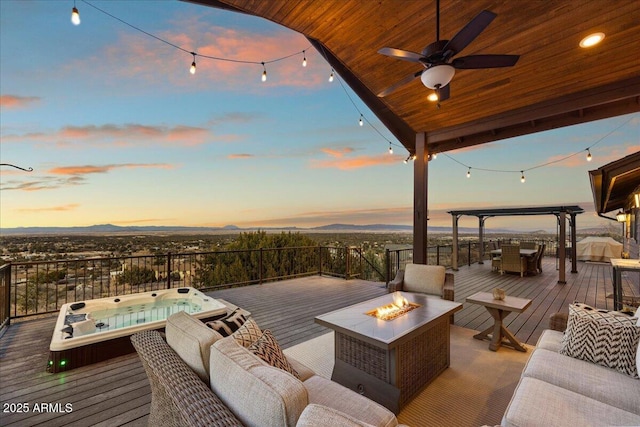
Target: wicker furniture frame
<point>391,368</point>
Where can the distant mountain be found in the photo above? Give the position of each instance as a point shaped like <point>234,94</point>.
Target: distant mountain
<point>110,228</point>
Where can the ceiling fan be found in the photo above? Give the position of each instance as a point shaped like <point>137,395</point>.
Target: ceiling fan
<point>437,58</point>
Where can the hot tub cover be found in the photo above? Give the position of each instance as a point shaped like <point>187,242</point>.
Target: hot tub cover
<point>600,249</point>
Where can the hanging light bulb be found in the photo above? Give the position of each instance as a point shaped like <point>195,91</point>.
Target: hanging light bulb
<point>75,16</point>
<point>522,177</point>
<point>433,97</point>
<point>360,122</point>
<point>304,59</point>
<point>589,158</point>
<point>434,156</point>
<point>414,157</point>
<point>407,160</point>
<point>331,76</point>
<point>192,70</point>
<point>469,173</point>
<point>390,149</point>
<point>264,73</point>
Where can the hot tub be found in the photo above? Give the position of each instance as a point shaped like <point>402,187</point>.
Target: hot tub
<point>95,330</point>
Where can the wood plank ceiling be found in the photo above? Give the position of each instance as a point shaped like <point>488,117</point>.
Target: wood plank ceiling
<point>555,83</point>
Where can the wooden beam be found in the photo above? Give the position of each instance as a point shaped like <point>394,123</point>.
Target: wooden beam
<point>420,180</point>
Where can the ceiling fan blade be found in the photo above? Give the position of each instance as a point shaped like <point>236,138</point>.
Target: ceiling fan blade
<point>401,54</point>
<point>444,93</point>
<point>469,32</point>
<point>485,61</point>
<point>399,84</point>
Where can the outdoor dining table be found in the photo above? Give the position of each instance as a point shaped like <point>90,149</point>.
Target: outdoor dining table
<point>523,252</point>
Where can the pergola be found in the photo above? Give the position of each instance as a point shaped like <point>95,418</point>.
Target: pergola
<point>555,83</point>
<point>561,213</point>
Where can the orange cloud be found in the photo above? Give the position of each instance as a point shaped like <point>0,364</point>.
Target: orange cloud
<point>120,134</point>
<point>42,183</point>
<point>356,162</point>
<point>88,169</point>
<point>338,153</point>
<point>12,102</point>
<point>62,208</point>
<point>240,156</point>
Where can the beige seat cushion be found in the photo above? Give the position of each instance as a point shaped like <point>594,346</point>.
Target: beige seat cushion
<point>426,279</point>
<point>318,415</point>
<point>258,394</point>
<point>191,340</point>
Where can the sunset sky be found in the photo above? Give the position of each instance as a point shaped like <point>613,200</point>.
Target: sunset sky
<point>118,131</point>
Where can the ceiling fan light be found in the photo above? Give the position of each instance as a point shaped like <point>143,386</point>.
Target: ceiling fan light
<point>592,40</point>
<point>438,75</point>
<point>433,97</point>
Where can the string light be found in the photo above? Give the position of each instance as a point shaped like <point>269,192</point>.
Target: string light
<point>75,15</point>
<point>407,159</point>
<point>390,149</point>
<point>522,177</point>
<point>434,156</point>
<point>304,58</point>
<point>360,122</point>
<point>192,70</point>
<point>469,172</point>
<point>414,157</point>
<point>589,158</point>
<point>264,73</point>
<point>331,76</point>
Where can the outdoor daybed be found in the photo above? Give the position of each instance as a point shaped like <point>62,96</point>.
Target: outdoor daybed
<point>199,378</point>
<point>558,389</point>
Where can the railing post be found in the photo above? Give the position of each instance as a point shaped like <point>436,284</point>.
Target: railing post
<point>168,270</point>
<point>320,260</point>
<point>437,254</point>
<point>260,267</point>
<point>6,295</point>
<point>469,254</point>
<point>347,263</point>
<point>387,260</point>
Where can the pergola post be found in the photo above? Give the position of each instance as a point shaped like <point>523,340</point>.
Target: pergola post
<point>420,178</point>
<point>454,243</point>
<point>481,238</point>
<point>574,258</point>
<point>562,250</point>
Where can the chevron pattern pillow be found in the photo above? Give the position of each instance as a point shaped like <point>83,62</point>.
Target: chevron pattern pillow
<point>229,324</point>
<point>248,333</point>
<point>602,337</point>
<point>268,349</point>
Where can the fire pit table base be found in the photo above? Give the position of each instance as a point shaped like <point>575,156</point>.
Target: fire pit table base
<point>393,376</point>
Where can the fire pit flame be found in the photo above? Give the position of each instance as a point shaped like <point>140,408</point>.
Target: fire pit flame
<point>391,311</point>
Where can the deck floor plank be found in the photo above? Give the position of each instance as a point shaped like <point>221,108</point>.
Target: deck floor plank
<point>116,392</point>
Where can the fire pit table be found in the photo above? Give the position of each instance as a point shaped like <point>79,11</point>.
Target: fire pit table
<point>389,361</point>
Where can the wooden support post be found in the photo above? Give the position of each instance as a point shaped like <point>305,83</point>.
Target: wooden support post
<point>562,247</point>
<point>420,177</point>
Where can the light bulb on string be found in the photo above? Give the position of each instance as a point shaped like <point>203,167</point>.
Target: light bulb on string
<point>75,15</point>
<point>589,158</point>
<point>360,122</point>
<point>331,76</point>
<point>469,173</point>
<point>192,70</point>
<point>264,73</point>
<point>522,177</point>
<point>304,59</point>
<point>414,157</point>
<point>390,149</point>
<point>434,156</point>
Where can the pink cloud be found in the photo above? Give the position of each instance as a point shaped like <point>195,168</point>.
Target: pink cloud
<point>356,162</point>
<point>240,156</point>
<point>13,102</point>
<point>89,169</point>
<point>122,135</point>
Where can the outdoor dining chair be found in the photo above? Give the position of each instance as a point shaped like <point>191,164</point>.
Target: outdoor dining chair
<point>512,261</point>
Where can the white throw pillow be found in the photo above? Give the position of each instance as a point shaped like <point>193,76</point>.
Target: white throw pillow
<point>427,279</point>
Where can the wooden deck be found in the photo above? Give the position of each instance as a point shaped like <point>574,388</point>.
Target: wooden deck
<point>116,392</point>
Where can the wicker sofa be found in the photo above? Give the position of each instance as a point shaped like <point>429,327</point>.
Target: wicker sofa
<point>248,392</point>
<point>559,390</point>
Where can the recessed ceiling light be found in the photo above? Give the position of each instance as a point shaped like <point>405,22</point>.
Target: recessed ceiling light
<point>592,40</point>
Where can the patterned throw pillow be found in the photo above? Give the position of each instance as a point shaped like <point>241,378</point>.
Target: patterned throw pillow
<point>248,333</point>
<point>228,325</point>
<point>268,349</point>
<point>603,337</point>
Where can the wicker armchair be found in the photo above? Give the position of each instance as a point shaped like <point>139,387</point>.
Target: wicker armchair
<point>178,396</point>
<point>428,279</point>
<point>512,261</point>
